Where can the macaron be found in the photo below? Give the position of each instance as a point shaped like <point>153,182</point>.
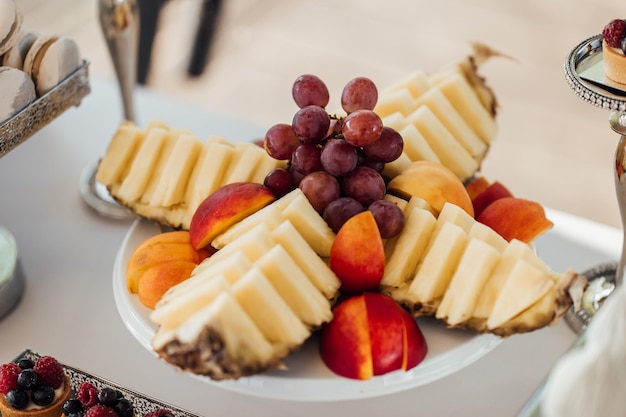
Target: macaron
<point>15,56</point>
<point>10,24</point>
<point>50,60</point>
<point>17,91</point>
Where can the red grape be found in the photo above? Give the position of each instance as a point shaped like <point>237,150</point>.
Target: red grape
<point>364,185</point>
<point>280,141</point>
<point>320,188</point>
<point>389,218</point>
<point>360,93</point>
<point>306,158</point>
<point>311,124</point>
<point>387,148</point>
<point>309,89</point>
<point>338,157</point>
<point>279,181</point>
<point>339,211</point>
<point>362,128</point>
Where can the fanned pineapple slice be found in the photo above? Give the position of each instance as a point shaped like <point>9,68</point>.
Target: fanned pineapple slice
<point>220,341</point>
<point>475,266</point>
<point>275,302</point>
<point>470,277</point>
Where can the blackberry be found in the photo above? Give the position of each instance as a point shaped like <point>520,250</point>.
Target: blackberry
<point>25,363</point>
<point>27,379</point>
<point>17,398</point>
<point>107,396</point>
<point>124,408</point>
<point>72,406</point>
<point>42,395</point>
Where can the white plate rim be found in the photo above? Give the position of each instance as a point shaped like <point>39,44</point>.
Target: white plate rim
<point>279,387</point>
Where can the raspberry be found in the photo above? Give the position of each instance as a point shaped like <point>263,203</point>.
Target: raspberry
<point>8,377</point>
<point>87,394</point>
<point>614,32</point>
<point>50,371</point>
<point>161,412</point>
<point>100,411</point>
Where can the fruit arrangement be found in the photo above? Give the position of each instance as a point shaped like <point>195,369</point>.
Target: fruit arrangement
<point>343,223</point>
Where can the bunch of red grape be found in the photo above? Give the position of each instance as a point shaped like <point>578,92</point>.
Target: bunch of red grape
<point>337,161</point>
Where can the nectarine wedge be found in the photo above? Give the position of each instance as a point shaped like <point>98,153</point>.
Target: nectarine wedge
<point>493,192</point>
<point>357,255</point>
<point>516,218</point>
<point>225,207</point>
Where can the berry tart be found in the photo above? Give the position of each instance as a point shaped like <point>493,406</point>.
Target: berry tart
<point>614,50</point>
<point>33,388</point>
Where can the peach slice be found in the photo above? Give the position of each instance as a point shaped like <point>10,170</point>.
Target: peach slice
<point>357,255</point>
<point>226,206</point>
<point>490,194</point>
<point>516,218</point>
<point>159,278</point>
<point>434,183</point>
<point>164,247</point>
<point>370,334</point>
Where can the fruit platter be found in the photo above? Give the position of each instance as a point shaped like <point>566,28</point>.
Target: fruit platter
<point>307,379</point>
<point>348,254</point>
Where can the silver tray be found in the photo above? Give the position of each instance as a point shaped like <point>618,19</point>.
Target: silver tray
<point>584,71</point>
<point>141,403</point>
<point>44,109</point>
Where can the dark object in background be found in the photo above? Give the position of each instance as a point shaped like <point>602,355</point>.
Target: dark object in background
<point>149,11</point>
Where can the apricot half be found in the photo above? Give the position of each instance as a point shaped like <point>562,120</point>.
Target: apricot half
<point>164,247</point>
<point>434,183</point>
<point>370,334</point>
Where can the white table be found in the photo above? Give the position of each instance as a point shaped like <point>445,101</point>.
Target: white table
<point>68,310</point>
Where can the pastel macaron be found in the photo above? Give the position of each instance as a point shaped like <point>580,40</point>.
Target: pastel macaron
<point>50,60</point>
<point>15,56</point>
<point>17,91</point>
<point>10,24</point>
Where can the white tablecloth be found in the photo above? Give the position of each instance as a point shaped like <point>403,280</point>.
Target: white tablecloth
<point>68,309</point>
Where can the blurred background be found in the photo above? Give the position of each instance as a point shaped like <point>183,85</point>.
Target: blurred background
<point>552,146</point>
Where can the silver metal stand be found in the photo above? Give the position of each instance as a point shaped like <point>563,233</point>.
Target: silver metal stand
<point>119,20</point>
<point>584,71</point>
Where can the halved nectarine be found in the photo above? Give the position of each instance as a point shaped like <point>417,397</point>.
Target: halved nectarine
<point>370,334</point>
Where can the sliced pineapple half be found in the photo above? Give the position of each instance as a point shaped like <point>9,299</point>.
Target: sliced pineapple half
<point>248,306</point>
<point>466,275</point>
<point>163,173</point>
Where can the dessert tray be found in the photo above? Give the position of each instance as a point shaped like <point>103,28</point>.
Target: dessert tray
<point>141,403</point>
<point>584,72</point>
<point>306,377</point>
<point>44,109</point>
